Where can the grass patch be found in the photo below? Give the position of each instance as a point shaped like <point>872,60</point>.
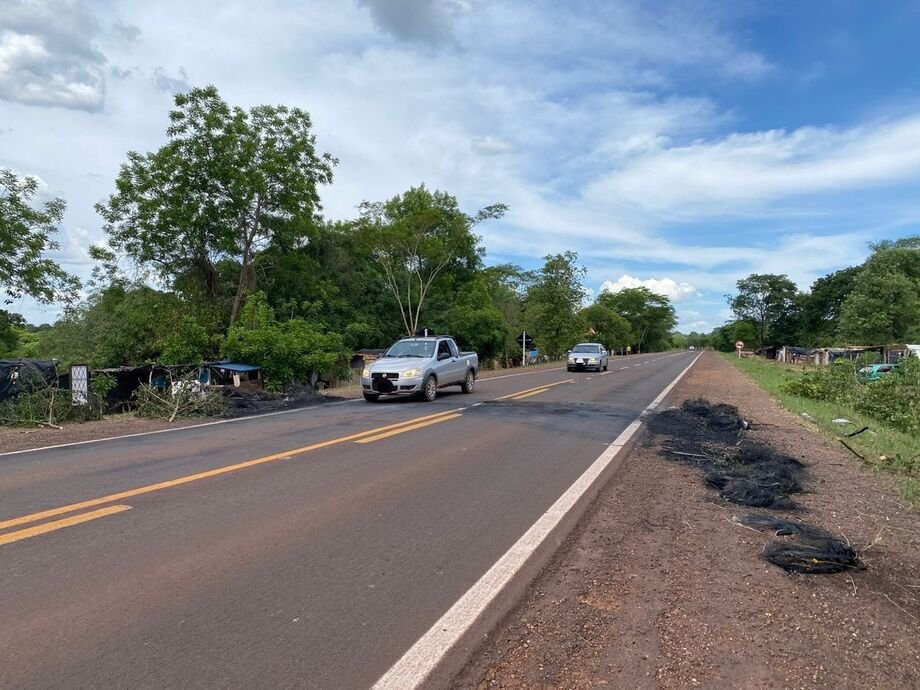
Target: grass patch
<point>882,447</point>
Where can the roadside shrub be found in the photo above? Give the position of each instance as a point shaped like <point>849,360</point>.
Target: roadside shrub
<point>48,406</point>
<point>181,398</point>
<point>835,383</point>
<point>894,399</point>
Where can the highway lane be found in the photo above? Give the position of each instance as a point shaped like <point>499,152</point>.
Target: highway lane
<point>316,569</point>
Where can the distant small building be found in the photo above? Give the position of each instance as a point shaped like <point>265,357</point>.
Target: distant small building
<point>361,358</point>
<point>795,355</point>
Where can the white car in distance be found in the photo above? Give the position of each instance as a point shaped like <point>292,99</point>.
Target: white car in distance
<point>587,356</point>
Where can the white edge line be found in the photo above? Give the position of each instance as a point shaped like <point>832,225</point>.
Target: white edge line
<point>417,664</point>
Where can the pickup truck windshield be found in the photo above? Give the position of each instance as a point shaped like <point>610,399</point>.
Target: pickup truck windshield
<point>586,348</point>
<point>411,348</point>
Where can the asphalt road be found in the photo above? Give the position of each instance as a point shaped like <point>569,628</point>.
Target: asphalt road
<point>305,549</point>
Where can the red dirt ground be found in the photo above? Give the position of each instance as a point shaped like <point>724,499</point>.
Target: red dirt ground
<point>657,588</point>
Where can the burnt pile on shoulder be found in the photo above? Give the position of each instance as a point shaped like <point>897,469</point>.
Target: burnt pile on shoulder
<point>711,437</point>
<point>805,548</point>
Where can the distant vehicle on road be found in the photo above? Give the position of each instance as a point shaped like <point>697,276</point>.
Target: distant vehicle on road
<point>587,356</point>
<point>420,366</point>
<point>874,372</point>
<point>691,348</point>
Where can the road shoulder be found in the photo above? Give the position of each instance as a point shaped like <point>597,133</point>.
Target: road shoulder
<point>658,588</point>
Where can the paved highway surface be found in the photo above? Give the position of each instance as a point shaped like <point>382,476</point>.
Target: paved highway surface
<point>305,549</point>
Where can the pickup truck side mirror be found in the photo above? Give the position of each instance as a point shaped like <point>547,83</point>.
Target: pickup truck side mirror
<point>443,355</point>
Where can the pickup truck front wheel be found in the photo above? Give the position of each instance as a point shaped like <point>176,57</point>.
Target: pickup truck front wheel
<point>469,383</point>
<point>430,389</point>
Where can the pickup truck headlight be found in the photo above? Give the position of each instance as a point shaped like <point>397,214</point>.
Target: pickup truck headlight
<point>366,373</point>
<point>410,374</point>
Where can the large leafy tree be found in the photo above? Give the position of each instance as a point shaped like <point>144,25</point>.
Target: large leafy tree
<point>605,326</point>
<point>291,351</point>
<point>884,304</point>
<point>126,324</point>
<point>822,306</point>
<point>552,302</point>
<point>650,316</point>
<point>27,233</point>
<point>227,183</point>
<point>767,300</point>
<point>416,236</point>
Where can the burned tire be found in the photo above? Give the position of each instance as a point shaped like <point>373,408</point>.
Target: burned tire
<point>469,383</point>
<point>372,397</point>
<point>430,389</point>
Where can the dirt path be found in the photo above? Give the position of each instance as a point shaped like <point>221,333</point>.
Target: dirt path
<point>658,588</point>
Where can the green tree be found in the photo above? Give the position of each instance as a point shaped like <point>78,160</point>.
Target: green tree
<point>507,285</point>
<point>414,237</point>
<point>474,320</point>
<point>226,184</point>
<point>26,235</point>
<point>552,302</point>
<point>126,325</point>
<point>884,304</point>
<point>9,336</point>
<point>290,351</point>
<point>822,307</point>
<point>724,337</point>
<point>650,316</point>
<point>767,300</point>
<point>605,326</point>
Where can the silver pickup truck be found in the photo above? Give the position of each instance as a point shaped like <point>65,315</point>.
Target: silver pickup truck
<point>419,366</point>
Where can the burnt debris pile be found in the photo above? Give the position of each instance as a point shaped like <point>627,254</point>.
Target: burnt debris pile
<point>803,548</point>
<point>713,439</point>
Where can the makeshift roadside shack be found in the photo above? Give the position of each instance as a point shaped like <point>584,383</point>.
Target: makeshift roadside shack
<point>23,375</point>
<point>231,376</point>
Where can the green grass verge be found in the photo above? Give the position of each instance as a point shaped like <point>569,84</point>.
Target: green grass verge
<point>883,448</point>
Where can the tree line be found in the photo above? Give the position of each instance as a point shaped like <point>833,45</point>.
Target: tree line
<point>874,303</point>
<point>217,246</point>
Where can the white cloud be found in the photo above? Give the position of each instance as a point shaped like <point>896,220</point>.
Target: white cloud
<point>48,55</point>
<point>675,291</point>
<point>743,171</point>
<point>491,146</point>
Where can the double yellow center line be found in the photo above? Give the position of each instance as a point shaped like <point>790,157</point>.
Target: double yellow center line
<point>521,395</point>
<point>363,437</point>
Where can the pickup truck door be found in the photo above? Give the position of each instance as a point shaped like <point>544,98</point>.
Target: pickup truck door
<point>446,366</point>
<point>457,369</point>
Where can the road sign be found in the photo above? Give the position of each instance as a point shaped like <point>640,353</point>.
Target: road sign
<point>524,340</point>
<point>739,345</point>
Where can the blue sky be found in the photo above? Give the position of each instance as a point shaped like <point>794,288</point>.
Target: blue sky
<point>676,145</point>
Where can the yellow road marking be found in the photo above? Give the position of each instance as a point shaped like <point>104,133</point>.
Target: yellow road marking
<point>130,493</point>
<point>30,532</point>
<point>402,430</point>
<point>605,373</point>
<point>537,388</point>
<point>527,395</point>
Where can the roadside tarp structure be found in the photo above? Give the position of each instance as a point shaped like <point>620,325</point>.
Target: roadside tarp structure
<point>19,375</point>
<point>914,350</point>
<point>224,374</point>
<point>127,381</point>
<point>789,353</point>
